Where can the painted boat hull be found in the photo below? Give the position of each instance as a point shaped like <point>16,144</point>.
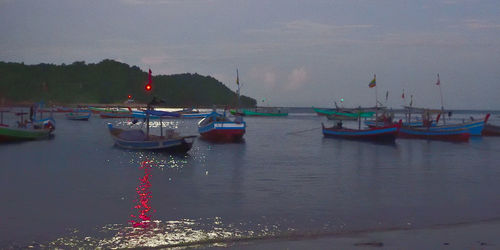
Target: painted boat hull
<point>340,117</point>
<point>379,134</point>
<point>156,143</point>
<point>223,131</point>
<point>195,115</point>
<point>457,135</point>
<point>78,116</point>
<point>474,128</point>
<point>8,134</point>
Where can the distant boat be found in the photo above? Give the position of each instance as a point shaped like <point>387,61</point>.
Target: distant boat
<point>116,114</point>
<point>348,115</point>
<point>218,127</point>
<point>78,115</point>
<point>141,114</point>
<point>376,134</point>
<point>260,112</point>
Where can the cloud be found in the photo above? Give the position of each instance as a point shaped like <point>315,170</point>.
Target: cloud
<point>297,78</point>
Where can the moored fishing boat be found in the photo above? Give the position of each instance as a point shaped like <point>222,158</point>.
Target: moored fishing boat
<point>474,128</point>
<point>8,134</point>
<point>116,114</point>
<point>137,139</point>
<point>218,127</point>
<point>78,115</point>
<point>377,134</point>
<point>260,112</point>
<point>457,135</point>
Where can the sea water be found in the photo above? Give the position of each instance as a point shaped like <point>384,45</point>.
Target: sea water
<point>284,180</point>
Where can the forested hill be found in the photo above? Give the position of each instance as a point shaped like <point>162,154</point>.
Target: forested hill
<point>109,82</point>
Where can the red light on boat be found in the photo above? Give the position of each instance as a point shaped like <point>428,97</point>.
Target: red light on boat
<point>129,97</point>
<point>148,87</point>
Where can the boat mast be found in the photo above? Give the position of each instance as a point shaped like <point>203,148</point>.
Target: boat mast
<point>376,101</point>
<point>441,94</point>
<point>238,84</point>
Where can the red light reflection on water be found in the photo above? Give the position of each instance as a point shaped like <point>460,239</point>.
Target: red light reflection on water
<point>143,207</point>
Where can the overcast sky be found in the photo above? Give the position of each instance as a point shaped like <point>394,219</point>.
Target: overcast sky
<point>290,53</point>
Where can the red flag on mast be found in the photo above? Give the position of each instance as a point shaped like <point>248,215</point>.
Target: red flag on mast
<point>149,77</point>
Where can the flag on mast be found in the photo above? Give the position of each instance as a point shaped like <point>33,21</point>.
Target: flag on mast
<point>438,81</point>
<point>403,95</point>
<point>386,95</point>
<point>373,83</point>
<point>150,80</point>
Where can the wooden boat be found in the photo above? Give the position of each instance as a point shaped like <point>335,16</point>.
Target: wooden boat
<point>25,130</point>
<point>491,130</point>
<point>218,127</point>
<point>137,139</point>
<point>78,115</point>
<point>323,112</point>
<point>474,128</point>
<point>377,134</point>
<point>457,135</point>
<point>195,115</point>
<point>8,134</point>
<point>141,114</point>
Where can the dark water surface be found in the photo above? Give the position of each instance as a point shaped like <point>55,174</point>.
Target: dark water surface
<point>285,179</point>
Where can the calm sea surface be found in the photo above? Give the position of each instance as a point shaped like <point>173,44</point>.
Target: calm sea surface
<point>284,180</point>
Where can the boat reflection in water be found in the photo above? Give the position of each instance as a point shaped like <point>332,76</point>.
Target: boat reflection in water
<point>143,206</point>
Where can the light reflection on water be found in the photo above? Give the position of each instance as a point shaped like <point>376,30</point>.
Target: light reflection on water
<point>180,233</point>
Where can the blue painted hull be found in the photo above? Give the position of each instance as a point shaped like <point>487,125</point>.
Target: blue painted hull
<point>384,134</point>
<point>473,128</point>
<point>429,134</point>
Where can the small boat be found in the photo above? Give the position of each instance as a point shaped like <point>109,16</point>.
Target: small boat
<point>8,134</point>
<point>491,130</point>
<point>116,114</point>
<point>377,134</point>
<point>348,115</point>
<point>137,139</point>
<point>323,112</point>
<point>78,115</point>
<point>25,130</point>
<point>218,127</point>
<point>260,112</point>
<point>457,135</point>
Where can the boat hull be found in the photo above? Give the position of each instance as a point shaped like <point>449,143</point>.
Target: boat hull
<point>8,134</point>
<point>384,134</point>
<point>255,113</point>
<point>458,135</point>
<point>155,143</point>
<point>78,116</point>
<point>223,131</point>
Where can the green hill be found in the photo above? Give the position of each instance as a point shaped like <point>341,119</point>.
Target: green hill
<point>109,82</point>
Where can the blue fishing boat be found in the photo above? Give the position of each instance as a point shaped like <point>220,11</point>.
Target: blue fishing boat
<point>456,135</point>
<point>377,134</point>
<point>474,128</point>
<point>218,127</point>
<point>140,114</point>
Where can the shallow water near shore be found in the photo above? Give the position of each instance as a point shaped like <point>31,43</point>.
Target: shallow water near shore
<point>283,180</point>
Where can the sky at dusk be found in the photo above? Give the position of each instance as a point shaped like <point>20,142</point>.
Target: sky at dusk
<point>290,53</point>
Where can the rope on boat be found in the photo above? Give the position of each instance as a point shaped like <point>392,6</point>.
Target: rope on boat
<point>302,131</point>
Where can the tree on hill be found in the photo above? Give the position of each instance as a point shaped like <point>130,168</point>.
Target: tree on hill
<point>109,82</point>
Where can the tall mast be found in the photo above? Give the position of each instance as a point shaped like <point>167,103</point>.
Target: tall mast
<point>376,100</point>
<point>441,94</point>
<point>238,84</point>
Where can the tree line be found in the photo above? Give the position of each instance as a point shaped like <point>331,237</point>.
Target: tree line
<point>109,82</point>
